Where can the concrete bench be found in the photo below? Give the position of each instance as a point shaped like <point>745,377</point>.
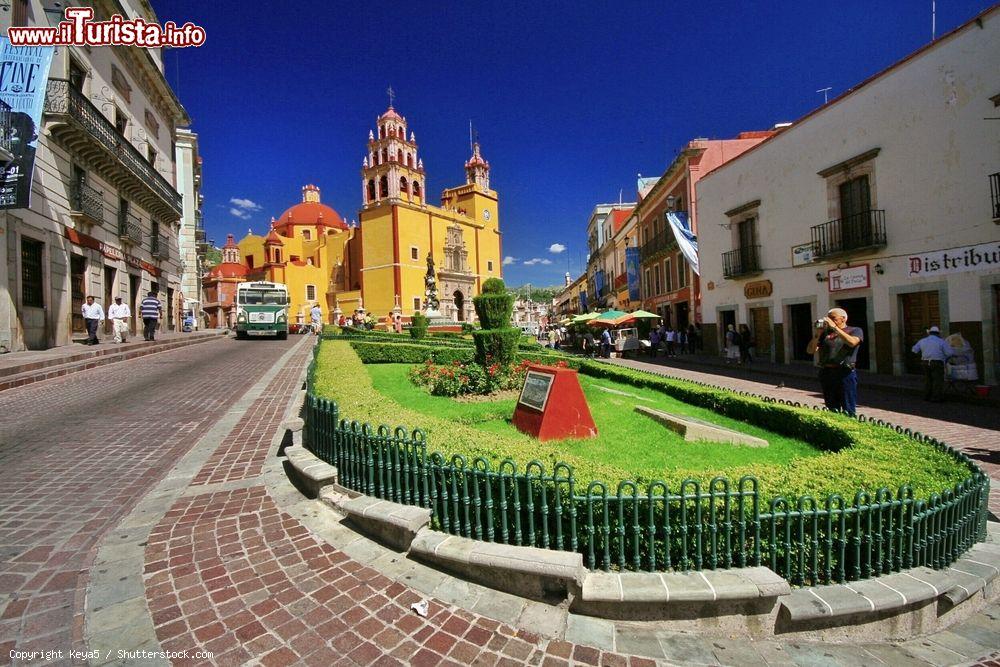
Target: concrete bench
<point>693,430</point>
<point>310,473</point>
<point>540,574</point>
<point>390,523</point>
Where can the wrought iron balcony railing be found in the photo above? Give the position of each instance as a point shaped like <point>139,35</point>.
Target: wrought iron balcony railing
<point>743,261</point>
<point>61,99</point>
<point>130,229</point>
<point>6,145</point>
<point>159,246</point>
<point>663,241</point>
<point>87,203</point>
<point>861,231</point>
<point>995,194</point>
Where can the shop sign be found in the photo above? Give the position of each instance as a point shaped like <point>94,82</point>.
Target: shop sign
<point>757,289</point>
<point>853,277</point>
<point>802,254</point>
<point>982,257</point>
<point>110,251</point>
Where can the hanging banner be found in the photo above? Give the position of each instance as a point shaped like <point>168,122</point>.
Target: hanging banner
<point>687,241</point>
<point>599,283</point>
<point>583,302</point>
<point>24,72</point>
<point>632,271</point>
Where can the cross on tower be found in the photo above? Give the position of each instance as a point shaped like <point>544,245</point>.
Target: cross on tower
<point>392,96</point>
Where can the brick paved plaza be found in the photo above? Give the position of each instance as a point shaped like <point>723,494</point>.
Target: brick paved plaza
<point>144,508</point>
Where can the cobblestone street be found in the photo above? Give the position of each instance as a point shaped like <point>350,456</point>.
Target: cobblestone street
<point>145,509</point>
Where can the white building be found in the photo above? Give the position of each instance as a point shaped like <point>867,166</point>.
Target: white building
<point>104,210</point>
<point>191,231</point>
<point>880,202</point>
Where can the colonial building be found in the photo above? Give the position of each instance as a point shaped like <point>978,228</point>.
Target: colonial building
<point>567,302</point>
<point>670,287</point>
<point>104,212</point>
<point>381,265</point>
<point>878,202</point>
<point>604,221</point>
<point>190,250</point>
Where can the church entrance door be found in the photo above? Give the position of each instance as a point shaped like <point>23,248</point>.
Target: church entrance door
<point>459,305</point>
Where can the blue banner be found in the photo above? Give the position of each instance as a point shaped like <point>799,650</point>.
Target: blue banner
<point>24,73</point>
<point>583,302</point>
<point>632,271</point>
<point>599,283</point>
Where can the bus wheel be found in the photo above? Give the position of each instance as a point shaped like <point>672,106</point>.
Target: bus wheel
<point>282,335</point>
<point>241,335</point>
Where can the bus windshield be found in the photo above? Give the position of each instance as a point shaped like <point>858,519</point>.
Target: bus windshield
<point>258,297</point>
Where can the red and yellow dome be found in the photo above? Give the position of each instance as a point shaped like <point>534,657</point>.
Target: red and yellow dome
<point>309,212</point>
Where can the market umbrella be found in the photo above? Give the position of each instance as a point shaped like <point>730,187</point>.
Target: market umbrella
<point>611,318</point>
<point>644,314</point>
<point>586,317</point>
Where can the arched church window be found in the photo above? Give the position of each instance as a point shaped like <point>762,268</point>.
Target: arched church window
<point>409,160</point>
<point>371,190</point>
<point>416,188</point>
<point>381,156</point>
<point>403,189</point>
<point>399,155</point>
<point>383,186</point>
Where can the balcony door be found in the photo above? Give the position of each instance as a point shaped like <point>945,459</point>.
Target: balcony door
<point>746,232</point>
<point>855,219</point>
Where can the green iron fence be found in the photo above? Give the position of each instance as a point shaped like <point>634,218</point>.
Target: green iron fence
<point>722,525</point>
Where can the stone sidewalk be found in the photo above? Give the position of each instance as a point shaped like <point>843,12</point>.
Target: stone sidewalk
<point>226,557</point>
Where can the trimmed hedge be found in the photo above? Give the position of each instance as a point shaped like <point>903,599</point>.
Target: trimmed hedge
<point>868,457</point>
<point>498,346</point>
<point>418,325</point>
<point>379,353</point>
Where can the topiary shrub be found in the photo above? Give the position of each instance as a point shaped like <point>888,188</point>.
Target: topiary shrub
<point>496,346</point>
<point>497,341</point>
<point>418,325</point>
<point>467,327</point>
<point>494,286</point>
<point>494,310</point>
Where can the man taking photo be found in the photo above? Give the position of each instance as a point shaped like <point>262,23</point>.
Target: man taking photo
<point>838,346</point>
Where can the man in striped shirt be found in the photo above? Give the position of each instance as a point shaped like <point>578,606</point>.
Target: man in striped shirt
<point>151,312</point>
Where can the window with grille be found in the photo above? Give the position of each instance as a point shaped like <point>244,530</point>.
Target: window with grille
<point>414,252</point>
<point>32,293</point>
<point>668,278</point>
<point>682,272</point>
<point>310,292</point>
<point>416,303</point>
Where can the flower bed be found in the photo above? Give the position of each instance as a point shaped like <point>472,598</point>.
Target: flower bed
<point>462,379</point>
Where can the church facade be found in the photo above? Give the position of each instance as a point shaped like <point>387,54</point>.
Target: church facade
<point>380,265</point>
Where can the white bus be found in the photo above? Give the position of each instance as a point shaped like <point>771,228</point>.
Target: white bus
<point>261,309</point>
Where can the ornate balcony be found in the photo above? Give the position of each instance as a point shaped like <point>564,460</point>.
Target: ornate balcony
<point>81,127</point>
<point>6,146</point>
<point>86,204</point>
<point>741,262</point>
<point>855,233</point>
<point>130,229</point>
<point>159,247</point>
<point>658,245</point>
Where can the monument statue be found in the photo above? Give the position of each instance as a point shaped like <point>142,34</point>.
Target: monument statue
<point>431,302</point>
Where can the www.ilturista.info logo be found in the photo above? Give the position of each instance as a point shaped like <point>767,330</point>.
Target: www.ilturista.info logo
<point>79,29</point>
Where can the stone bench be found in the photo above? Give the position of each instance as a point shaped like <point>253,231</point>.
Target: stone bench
<point>310,473</point>
<point>390,523</point>
<point>751,591</point>
<point>540,574</point>
<point>693,430</point>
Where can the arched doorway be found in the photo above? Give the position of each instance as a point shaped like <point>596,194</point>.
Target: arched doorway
<point>460,305</point>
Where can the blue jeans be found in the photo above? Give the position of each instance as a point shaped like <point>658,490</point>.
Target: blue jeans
<point>840,388</point>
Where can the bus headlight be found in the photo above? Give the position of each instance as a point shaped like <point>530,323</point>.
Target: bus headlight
<point>242,317</point>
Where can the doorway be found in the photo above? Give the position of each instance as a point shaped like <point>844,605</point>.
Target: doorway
<point>109,285</point>
<point>78,291</point>
<point>760,324</point>
<point>682,315</point>
<point>857,316</point>
<point>33,301</point>
<point>801,318</point>
<point>728,317</point>
<point>170,309</point>
<point>134,284</point>
<point>459,305</point>
<point>920,312</point>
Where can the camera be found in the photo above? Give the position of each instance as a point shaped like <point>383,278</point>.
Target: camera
<point>820,323</point>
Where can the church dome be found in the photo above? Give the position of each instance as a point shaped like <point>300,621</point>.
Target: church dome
<point>229,270</point>
<point>309,212</point>
<point>390,114</point>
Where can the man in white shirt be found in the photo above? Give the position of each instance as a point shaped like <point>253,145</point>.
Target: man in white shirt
<point>93,315</point>
<point>119,315</point>
<point>933,351</point>
<point>316,319</point>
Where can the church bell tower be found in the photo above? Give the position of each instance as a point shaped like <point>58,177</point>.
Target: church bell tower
<point>392,171</point>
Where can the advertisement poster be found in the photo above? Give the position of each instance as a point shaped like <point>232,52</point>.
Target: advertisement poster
<point>982,257</point>
<point>24,72</point>
<point>632,270</point>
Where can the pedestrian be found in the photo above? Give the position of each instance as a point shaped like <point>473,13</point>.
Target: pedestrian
<point>692,337</point>
<point>151,311</point>
<point>316,319</point>
<point>838,346</point>
<point>552,338</point>
<point>119,314</point>
<point>654,341</point>
<point>681,340</point>
<point>93,315</point>
<point>397,322</point>
<point>671,342</point>
<point>589,344</point>
<point>732,344</point>
<point>961,365</point>
<point>606,343</point>
<point>746,342</point>
<point>933,351</point>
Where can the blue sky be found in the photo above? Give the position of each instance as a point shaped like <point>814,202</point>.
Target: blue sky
<point>570,100</point>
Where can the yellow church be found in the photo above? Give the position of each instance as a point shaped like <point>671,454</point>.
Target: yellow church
<point>380,264</point>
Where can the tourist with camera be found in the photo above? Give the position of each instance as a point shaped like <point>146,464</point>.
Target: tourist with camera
<point>838,346</point>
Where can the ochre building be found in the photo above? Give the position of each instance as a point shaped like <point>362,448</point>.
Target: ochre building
<point>381,264</point>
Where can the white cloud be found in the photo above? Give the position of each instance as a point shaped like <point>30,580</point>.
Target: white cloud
<point>241,214</point>
<point>536,260</point>
<point>557,248</point>
<point>245,204</point>
<point>508,260</point>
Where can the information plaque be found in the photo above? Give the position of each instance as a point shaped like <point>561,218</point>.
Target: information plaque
<point>552,405</point>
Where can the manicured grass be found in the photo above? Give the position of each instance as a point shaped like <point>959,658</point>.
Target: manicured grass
<point>867,457</point>
<point>626,439</point>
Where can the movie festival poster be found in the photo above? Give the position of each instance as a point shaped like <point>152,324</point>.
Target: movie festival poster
<point>24,73</point>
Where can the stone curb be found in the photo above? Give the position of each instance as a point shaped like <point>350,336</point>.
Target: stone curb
<point>68,368</point>
<point>311,473</point>
<point>390,523</point>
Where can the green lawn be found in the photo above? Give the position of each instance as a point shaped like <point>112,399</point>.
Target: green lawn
<point>626,439</point>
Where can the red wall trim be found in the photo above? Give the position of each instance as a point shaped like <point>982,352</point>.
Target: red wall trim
<point>396,274</point>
